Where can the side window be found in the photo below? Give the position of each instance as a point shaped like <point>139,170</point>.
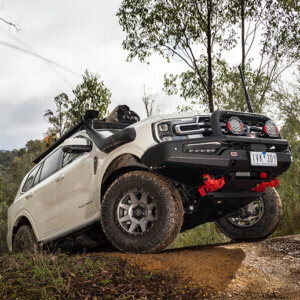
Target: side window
<point>30,180</point>
<point>37,176</point>
<point>51,165</point>
<point>70,157</point>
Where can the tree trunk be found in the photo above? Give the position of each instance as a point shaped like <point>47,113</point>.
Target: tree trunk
<point>60,121</point>
<point>209,58</point>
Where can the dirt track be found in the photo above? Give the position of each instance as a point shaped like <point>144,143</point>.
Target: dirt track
<point>239,270</point>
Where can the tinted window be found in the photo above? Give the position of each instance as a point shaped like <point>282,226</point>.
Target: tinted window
<point>30,180</point>
<point>37,176</point>
<point>106,133</point>
<point>70,157</point>
<point>50,165</point>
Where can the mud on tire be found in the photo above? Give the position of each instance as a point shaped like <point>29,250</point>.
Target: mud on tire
<point>25,240</point>
<point>163,203</point>
<point>264,227</point>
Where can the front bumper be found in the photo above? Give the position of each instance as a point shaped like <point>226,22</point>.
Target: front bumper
<point>232,156</point>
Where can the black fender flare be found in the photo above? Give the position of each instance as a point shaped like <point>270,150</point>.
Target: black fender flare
<point>120,165</point>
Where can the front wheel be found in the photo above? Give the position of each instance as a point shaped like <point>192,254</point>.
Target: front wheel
<point>257,220</point>
<point>141,212</point>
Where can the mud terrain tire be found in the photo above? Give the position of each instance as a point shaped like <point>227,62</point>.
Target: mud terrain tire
<point>167,219</point>
<point>263,228</point>
<point>25,240</point>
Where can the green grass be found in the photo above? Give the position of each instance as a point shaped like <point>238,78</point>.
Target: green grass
<point>203,234</point>
<point>290,221</point>
<point>61,276</point>
<point>3,242</point>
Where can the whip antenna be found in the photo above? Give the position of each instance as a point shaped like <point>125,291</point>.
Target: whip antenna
<point>250,109</point>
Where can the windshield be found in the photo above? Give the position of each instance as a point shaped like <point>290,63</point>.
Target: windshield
<point>107,132</point>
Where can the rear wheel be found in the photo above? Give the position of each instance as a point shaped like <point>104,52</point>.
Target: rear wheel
<point>141,212</point>
<point>255,221</point>
<point>25,240</point>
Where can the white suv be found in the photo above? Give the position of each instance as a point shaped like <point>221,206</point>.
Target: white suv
<point>141,184</point>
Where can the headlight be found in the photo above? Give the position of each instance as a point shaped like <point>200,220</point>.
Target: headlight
<point>271,129</point>
<point>235,125</point>
<point>166,130</point>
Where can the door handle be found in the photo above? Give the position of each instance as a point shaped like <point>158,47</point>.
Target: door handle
<point>29,196</point>
<point>60,177</point>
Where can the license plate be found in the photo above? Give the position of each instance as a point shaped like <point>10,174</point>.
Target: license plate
<point>263,159</point>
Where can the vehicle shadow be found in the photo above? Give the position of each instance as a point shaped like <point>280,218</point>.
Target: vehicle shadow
<point>212,267</point>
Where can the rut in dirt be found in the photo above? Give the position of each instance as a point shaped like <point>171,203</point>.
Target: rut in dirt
<point>268,268</point>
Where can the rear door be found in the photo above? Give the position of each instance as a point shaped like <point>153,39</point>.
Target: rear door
<point>43,195</point>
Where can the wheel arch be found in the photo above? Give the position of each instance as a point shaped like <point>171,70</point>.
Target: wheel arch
<point>21,220</point>
<point>119,166</point>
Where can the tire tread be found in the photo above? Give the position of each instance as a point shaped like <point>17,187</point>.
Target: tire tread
<point>175,218</point>
<point>265,227</point>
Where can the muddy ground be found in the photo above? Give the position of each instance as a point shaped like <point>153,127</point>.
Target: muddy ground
<point>267,269</point>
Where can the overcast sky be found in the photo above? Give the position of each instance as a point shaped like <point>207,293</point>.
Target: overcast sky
<point>80,35</point>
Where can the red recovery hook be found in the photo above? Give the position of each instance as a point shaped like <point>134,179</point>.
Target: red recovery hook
<point>262,186</point>
<point>210,185</point>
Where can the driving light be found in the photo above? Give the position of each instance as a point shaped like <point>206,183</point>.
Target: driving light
<point>235,125</point>
<point>271,129</point>
<point>212,147</point>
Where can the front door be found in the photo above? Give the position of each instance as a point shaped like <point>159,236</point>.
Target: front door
<point>73,191</point>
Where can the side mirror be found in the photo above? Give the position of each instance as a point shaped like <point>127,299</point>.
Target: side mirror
<point>78,145</point>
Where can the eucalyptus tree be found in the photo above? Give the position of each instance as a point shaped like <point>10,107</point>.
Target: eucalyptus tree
<point>201,33</point>
<point>269,45</point>
<point>90,94</point>
<point>60,118</point>
<point>193,31</point>
<point>149,101</point>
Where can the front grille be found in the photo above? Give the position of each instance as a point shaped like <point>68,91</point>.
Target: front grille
<point>200,126</point>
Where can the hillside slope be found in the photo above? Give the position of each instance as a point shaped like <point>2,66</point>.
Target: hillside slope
<point>269,268</point>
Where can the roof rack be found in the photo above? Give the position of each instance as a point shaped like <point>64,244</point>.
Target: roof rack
<point>70,132</point>
<point>96,124</point>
